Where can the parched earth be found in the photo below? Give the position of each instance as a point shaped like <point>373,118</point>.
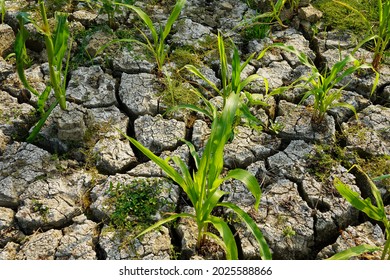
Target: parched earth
<point>60,196</point>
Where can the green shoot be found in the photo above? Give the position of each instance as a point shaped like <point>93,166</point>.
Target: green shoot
<point>379,31</point>
<point>324,87</point>
<point>203,187</point>
<point>231,82</point>
<point>374,211</point>
<point>354,252</point>
<point>57,49</point>
<point>157,45</point>
<point>2,10</point>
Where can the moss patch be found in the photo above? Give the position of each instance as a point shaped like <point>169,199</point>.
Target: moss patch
<point>326,157</point>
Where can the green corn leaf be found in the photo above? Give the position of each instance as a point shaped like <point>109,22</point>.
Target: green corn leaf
<point>209,204</point>
<point>2,10</point>
<point>265,252</point>
<point>266,85</point>
<point>248,180</point>
<point>226,235</point>
<point>145,18</point>
<point>363,42</point>
<point>383,177</point>
<point>301,56</point>
<point>59,46</point>
<point>244,109</point>
<point>160,46</point>
<point>247,62</point>
<point>255,99</point>
<point>357,202</point>
<point>221,132</point>
<point>374,190</point>
<point>354,252</point>
<point>41,122</point>
<point>60,39</point>
<point>164,221</point>
<point>21,52</point>
<point>335,76</point>
<point>192,108</point>
<point>195,71</point>
<point>345,105</point>
<point>169,170</point>
<point>189,186</point>
<point>247,81</point>
<point>42,99</point>
<point>172,18</point>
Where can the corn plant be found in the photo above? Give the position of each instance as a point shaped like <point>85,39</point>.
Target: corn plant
<point>57,49</point>
<point>2,10</point>
<point>354,252</point>
<point>274,14</point>
<point>259,25</point>
<point>157,43</point>
<point>375,211</point>
<point>203,187</point>
<point>324,86</point>
<point>379,32</point>
<point>231,82</point>
<point>107,7</point>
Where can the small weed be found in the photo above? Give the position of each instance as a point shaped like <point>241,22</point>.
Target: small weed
<point>253,29</point>
<point>288,232</point>
<point>326,157</point>
<point>39,207</point>
<point>176,91</point>
<point>184,56</point>
<point>259,26</point>
<point>134,204</point>
<point>320,163</point>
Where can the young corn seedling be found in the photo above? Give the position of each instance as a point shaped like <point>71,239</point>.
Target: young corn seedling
<point>379,32</point>
<point>107,7</point>
<point>274,14</point>
<point>57,49</point>
<point>2,10</point>
<point>259,26</point>
<point>375,211</point>
<point>324,87</point>
<point>231,82</point>
<point>157,43</point>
